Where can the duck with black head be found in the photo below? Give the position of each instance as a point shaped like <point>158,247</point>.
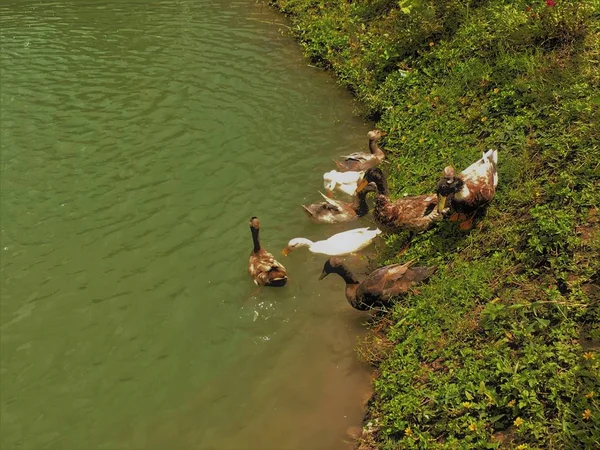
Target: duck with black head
<point>262,266</point>
<point>380,286</point>
<point>470,192</point>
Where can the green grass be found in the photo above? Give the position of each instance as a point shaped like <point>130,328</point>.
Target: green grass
<point>502,348</point>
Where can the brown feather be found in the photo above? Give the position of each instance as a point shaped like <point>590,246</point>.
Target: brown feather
<point>265,270</point>
<point>360,161</point>
<point>381,285</point>
<point>262,266</point>
<point>479,179</point>
<point>416,213</point>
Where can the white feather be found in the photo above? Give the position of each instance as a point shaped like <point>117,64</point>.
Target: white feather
<point>342,181</point>
<point>339,244</point>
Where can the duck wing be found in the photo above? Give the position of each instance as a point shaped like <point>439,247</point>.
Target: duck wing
<point>358,156</point>
<point>414,213</point>
<point>357,162</point>
<point>346,242</point>
<point>330,210</point>
<point>390,281</point>
<point>266,270</point>
<point>481,179</point>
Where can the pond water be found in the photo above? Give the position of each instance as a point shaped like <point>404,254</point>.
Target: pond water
<point>137,140</point>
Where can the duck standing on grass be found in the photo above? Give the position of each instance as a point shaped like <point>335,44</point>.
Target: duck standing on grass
<point>415,213</point>
<point>336,211</point>
<point>344,243</point>
<point>360,161</point>
<point>471,191</point>
<point>262,267</point>
<point>380,286</point>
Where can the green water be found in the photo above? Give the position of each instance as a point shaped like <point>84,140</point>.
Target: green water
<point>137,139</point>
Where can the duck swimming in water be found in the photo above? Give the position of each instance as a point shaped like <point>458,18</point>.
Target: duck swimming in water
<point>262,266</point>
<point>380,286</point>
<point>336,211</point>
<point>471,191</point>
<point>345,182</point>
<point>360,161</point>
<point>344,243</point>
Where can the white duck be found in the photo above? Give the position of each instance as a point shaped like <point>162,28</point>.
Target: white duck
<point>342,181</point>
<point>337,245</point>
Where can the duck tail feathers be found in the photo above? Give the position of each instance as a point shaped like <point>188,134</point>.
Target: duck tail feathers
<point>308,211</point>
<point>423,273</point>
<point>491,155</point>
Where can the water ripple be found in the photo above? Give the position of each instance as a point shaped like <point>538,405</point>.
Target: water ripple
<point>137,139</point>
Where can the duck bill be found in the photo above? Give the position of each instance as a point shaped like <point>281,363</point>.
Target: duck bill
<point>286,251</point>
<point>442,203</point>
<point>328,193</point>
<point>323,275</point>
<point>361,185</point>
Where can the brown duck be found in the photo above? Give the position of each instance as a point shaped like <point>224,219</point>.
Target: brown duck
<point>360,161</point>
<point>471,191</point>
<point>415,213</point>
<point>336,211</point>
<point>380,286</point>
<point>262,267</point>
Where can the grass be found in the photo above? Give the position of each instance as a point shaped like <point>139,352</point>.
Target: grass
<point>501,349</point>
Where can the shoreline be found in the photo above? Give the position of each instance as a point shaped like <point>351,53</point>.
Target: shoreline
<point>502,347</point>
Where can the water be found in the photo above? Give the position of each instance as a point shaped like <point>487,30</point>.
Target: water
<point>138,138</point>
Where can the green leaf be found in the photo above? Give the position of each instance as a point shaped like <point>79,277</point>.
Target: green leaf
<point>496,418</point>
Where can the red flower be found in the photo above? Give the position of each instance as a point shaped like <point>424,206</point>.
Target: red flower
<point>550,3</point>
<point>528,9</point>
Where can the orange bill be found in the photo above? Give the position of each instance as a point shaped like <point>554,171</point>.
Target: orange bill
<point>361,185</point>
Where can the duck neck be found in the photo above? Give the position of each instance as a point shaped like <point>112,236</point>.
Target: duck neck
<point>360,205</point>
<point>348,276</point>
<point>382,186</point>
<point>351,296</point>
<point>374,148</point>
<point>302,242</point>
<point>255,239</point>
<point>381,201</point>
<point>352,285</point>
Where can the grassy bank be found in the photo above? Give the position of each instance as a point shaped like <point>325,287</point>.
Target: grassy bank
<point>502,347</point>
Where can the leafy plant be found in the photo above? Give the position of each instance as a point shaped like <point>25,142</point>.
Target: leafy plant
<point>501,348</point>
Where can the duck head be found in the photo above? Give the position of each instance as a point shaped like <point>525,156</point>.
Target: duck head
<point>448,185</point>
<point>254,223</point>
<point>373,175</point>
<point>332,265</point>
<point>369,187</point>
<point>295,243</point>
<point>375,135</point>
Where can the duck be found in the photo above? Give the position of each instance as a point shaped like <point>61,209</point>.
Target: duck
<point>413,213</point>
<point>262,266</point>
<point>345,182</point>
<point>339,244</point>
<point>336,211</point>
<point>360,161</point>
<point>471,191</point>
<point>380,286</point>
